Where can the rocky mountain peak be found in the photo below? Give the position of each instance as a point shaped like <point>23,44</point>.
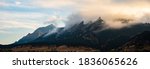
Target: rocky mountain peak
<point>99,20</point>
<point>36,34</point>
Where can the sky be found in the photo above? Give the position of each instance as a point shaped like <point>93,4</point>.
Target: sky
<point>20,17</point>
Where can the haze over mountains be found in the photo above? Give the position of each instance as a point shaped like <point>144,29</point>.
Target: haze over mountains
<point>91,36</point>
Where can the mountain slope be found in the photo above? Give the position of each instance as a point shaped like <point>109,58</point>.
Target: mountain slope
<point>113,38</point>
<point>139,42</point>
<point>36,34</point>
<point>78,34</point>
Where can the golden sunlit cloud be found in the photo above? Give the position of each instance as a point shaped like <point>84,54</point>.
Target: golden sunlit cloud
<point>111,10</point>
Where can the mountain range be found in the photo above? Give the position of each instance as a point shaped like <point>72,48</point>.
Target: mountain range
<point>92,36</point>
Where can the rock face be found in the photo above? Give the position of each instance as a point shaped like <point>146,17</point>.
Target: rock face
<point>88,35</point>
<point>36,34</point>
<point>140,42</point>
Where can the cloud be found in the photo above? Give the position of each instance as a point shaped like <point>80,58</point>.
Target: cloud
<point>113,8</point>
<point>4,4</point>
<point>109,10</point>
<point>56,20</point>
<point>52,3</point>
<point>14,24</point>
<point>21,15</point>
<point>4,32</point>
<point>18,3</point>
<point>73,19</point>
<point>145,18</point>
<point>24,21</point>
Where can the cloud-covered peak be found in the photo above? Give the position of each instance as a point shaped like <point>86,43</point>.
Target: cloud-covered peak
<point>30,14</point>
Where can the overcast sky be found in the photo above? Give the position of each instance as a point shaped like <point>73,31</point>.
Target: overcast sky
<point>20,17</point>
